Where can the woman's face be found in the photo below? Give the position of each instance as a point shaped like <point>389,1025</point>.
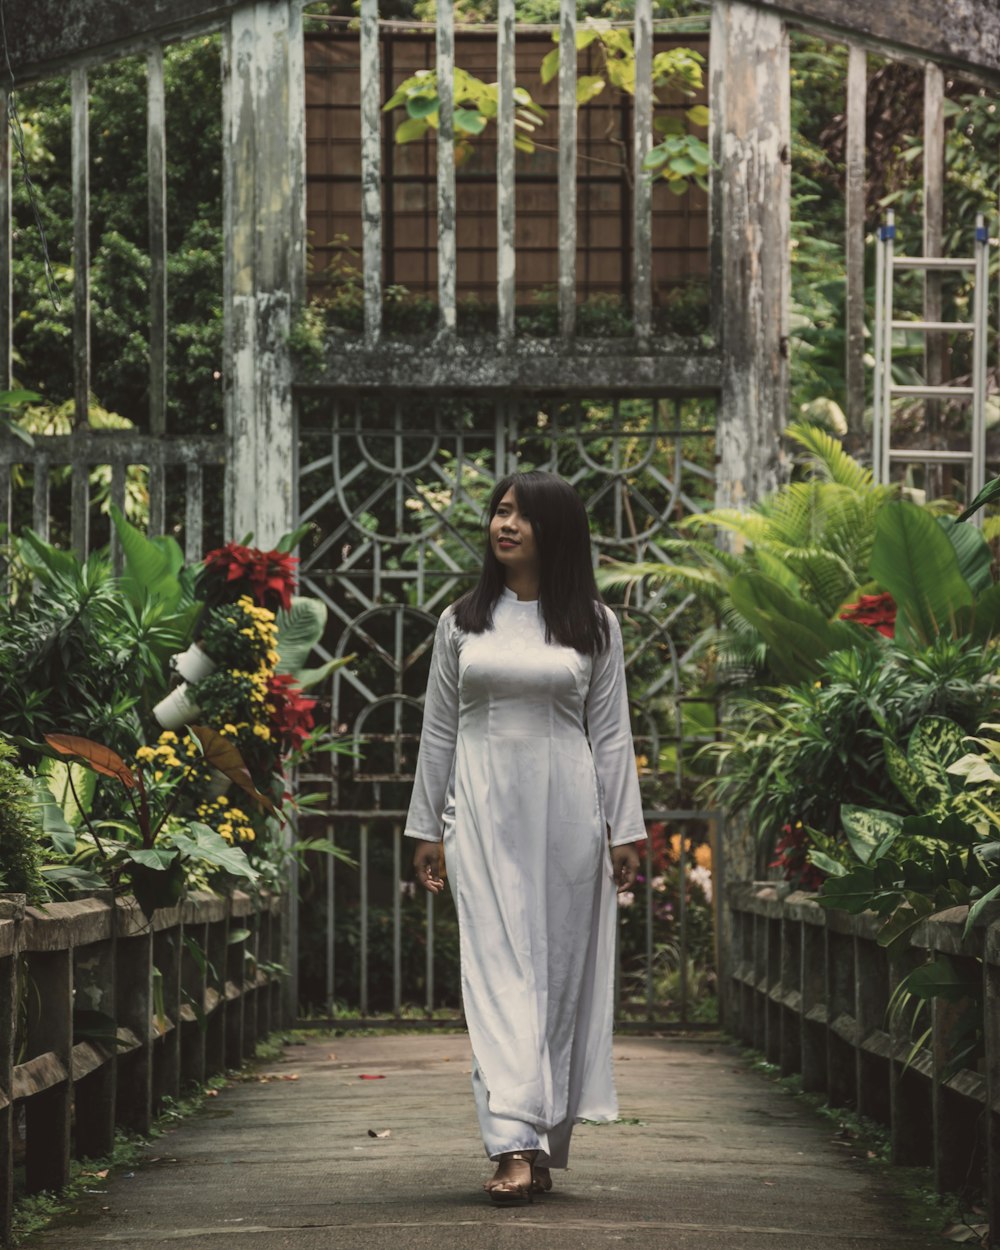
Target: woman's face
<point>512,539</point>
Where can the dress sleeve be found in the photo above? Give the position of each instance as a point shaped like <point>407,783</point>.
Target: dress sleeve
<point>436,757</point>
<point>611,741</point>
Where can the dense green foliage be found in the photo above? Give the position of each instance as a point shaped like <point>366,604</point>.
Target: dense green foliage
<point>119,243</point>
<point>20,844</point>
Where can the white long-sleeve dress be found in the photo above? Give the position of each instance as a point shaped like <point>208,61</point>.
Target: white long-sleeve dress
<point>506,724</point>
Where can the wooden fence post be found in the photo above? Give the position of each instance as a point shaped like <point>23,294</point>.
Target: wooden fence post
<point>11,915</point>
<point>134,999</point>
<point>45,1076</point>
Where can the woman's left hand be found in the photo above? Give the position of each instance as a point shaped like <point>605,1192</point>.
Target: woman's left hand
<point>625,864</point>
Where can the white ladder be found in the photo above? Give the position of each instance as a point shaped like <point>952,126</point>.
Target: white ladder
<point>884,455</point>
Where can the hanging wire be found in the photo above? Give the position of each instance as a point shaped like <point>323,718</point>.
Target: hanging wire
<point>17,132</point>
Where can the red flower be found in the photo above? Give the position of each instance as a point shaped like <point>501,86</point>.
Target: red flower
<point>790,857</point>
<point>292,717</point>
<point>270,574</point>
<point>875,611</point>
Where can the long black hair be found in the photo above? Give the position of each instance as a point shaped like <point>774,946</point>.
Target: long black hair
<point>568,595</point>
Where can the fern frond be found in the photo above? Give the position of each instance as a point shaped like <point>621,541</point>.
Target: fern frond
<point>829,457</point>
<point>750,525</point>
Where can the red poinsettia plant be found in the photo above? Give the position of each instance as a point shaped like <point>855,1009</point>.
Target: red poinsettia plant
<point>790,855</point>
<point>876,611</point>
<point>235,570</point>
<point>290,712</point>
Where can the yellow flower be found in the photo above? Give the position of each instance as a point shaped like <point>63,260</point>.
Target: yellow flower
<point>262,732</point>
<point>145,755</point>
<point>168,735</point>
<point>222,800</point>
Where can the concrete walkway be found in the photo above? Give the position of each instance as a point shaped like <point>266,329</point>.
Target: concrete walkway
<point>709,1154</point>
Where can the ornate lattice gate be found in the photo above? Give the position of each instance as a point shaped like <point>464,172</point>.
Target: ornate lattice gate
<point>396,487</point>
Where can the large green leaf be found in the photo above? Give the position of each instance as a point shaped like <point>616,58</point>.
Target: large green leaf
<point>987,495</point>
<point>208,847</point>
<point>978,906</point>
<point>852,892</point>
<point>910,784</point>
<point>895,933</point>
<point>798,635</point>
<point>986,614</point>
<point>914,561</point>
<point>869,830</point>
<point>51,819</point>
<point>43,559</point>
<point>935,744</point>
<point>946,828</point>
<point>313,676</point>
<point>940,978</point>
<point>973,552</point>
<point>299,630</point>
<point>151,565</point>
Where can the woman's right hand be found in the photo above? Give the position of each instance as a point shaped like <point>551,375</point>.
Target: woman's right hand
<point>427,866</point>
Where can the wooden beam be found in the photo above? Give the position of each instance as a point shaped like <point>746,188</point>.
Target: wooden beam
<point>505,172</point>
<point>749,86</point>
<point>371,170</point>
<point>857,88</point>
<point>955,32</point>
<point>446,254</point>
<point>567,169</point>
<point>45,34</point>
<point>642,189</point>
<point>81,246</point>
<point>263,146</point>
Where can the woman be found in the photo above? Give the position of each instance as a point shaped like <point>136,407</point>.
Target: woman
<point>525,667</point>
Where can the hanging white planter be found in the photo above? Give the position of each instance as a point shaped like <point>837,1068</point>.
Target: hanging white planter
<point>193,664</point>
<point>177,709</point>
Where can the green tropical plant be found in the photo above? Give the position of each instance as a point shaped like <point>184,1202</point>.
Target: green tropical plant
<point>811,751</point>
<point>20,841</point>
<point>805,553</point>
<point>142,849</point>
<point>476,104</point>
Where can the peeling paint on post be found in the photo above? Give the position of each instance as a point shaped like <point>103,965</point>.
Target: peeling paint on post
<point>935,344</point>
<point>446,257</point>
<point>371,170</point>
<point>857,88</point>
<point>505,171</point>
<point>567,169</point>
<point>750,216</point>
<point>157,193</point>
<point>264,227</point>
<point>642,198</point>
<point>81,246</point>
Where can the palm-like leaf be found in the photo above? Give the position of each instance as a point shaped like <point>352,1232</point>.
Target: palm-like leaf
<point>830,459</point>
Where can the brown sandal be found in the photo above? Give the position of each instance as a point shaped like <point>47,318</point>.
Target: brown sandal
<point>504,1193</point>
<point>541,1184</point>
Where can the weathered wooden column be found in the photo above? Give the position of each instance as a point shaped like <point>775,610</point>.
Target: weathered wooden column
<point>264,272</point>
<point>749,85</point>
<point>857,90</point>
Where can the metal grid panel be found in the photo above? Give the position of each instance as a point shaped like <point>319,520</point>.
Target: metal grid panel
<point>397,489</point>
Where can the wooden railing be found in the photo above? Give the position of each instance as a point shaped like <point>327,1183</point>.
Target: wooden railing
<point>810,988</point>
<point>104,1015</point>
